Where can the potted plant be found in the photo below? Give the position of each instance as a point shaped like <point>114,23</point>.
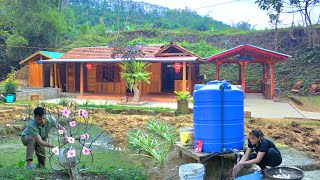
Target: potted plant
<point>182,101</point>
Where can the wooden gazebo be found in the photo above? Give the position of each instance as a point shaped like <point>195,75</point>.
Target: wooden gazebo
<point>244,54</point>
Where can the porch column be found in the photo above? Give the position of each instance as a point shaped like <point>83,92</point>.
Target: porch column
<point>272,79</point>
<point>190,84</point>
<point>217,70</point>
<point>51,76</point>
<point>184,77</point>
<point>243,75</point>
<point>81,79</point>
<point>55,75</point>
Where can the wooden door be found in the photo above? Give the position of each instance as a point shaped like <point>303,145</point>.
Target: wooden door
<point>155,77</point>
<point>71,85</point>
<point>36,75</point>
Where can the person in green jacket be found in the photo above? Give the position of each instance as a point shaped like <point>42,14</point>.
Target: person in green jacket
<point>35,135</point>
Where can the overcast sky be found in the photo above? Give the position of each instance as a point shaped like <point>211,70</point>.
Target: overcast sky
<point>227,11</point>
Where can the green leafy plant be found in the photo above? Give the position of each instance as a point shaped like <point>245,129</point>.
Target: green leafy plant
<point>180,95</point>
<point>63,101</point>
<point>134,72</point>
<point>182,101</point>
<point>169,134</point>
<point>146,145</point>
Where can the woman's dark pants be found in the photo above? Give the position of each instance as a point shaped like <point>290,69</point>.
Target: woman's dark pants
<point>271,158</point>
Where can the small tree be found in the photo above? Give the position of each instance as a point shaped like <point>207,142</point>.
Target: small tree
<point>134,72</point>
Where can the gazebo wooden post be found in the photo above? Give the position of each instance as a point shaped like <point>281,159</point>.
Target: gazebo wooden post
<point>81,79</point>
<point>217,70</point>
<point>184,77</point>
<point>272,79</point>
<point>263,78</point>
<point>243,75</point>
<point>55,75</point>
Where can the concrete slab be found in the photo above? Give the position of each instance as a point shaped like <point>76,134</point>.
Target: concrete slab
<point>267,108</point>
<point>294,158</point>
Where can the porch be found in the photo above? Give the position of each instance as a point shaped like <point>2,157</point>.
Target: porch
<point>163,97</point>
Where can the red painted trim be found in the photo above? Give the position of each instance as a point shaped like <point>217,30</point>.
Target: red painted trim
<point>246,48</point>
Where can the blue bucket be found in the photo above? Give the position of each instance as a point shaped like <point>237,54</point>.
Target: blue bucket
<point>252,176</point>
<point>9,98</point>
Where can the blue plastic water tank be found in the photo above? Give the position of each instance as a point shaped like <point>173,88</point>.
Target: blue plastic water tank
<point>198,86</point>
<point>218,107</point>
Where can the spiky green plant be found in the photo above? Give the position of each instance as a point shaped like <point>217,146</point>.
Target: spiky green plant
<point>150,146</point>
<point>169,134</point>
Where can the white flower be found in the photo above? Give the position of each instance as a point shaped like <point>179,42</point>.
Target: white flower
<point>60,131</point>
<point>55,151</point>
<point>85,151</point>
<point>85,136</point>
<point>70,140</point>
<point>71,153</point>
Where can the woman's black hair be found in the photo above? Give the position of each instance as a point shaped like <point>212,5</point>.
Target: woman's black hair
<point>39,111</point>
<point>257,133</point>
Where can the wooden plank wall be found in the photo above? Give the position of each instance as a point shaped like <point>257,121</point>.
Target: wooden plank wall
<point>70,75</point>
<point>91,79</point>
<point>155,86</point>
<point>35,75</point>
<point>104,87</point>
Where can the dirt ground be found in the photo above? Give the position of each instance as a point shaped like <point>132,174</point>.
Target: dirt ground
<point>298,134</point>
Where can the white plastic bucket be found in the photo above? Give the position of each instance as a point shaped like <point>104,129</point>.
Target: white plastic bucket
<point>186,136</point>
<point>194,171</point>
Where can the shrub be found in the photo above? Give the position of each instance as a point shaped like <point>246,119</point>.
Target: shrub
<point>10,84</point>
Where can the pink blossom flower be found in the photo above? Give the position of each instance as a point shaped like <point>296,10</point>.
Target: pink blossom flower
<point>55,151</point>
<point>65,112</point>
<point>85,136</point>
<point>72,123</point>
<point>60,131</point>
<point>83,113</point>
<point>71,153</point>
<point>85,151</point>
<point>70,140</point>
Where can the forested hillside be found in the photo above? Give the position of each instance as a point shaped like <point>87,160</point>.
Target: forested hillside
<point>27,26</point>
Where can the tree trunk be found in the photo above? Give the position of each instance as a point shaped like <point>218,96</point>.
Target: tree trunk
<point>136,93</point>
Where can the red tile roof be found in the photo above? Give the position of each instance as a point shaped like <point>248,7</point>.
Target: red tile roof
<point>105,52</point>
<point>149,51</point>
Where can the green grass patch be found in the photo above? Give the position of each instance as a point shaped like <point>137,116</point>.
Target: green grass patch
<point>315,100</point>
<point>107,163</point>
<point>110,108</point>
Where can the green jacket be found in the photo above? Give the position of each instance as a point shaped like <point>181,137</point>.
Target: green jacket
<point>35,129</point>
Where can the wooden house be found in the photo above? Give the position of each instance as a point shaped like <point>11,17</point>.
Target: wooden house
<point>39,73</point>
<point>93,70</point>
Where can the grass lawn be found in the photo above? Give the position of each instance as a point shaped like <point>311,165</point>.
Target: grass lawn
<point>107,163</point>
<point>315,100</point>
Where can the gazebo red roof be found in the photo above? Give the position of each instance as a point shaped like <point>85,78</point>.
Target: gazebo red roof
<point>252,53</point>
